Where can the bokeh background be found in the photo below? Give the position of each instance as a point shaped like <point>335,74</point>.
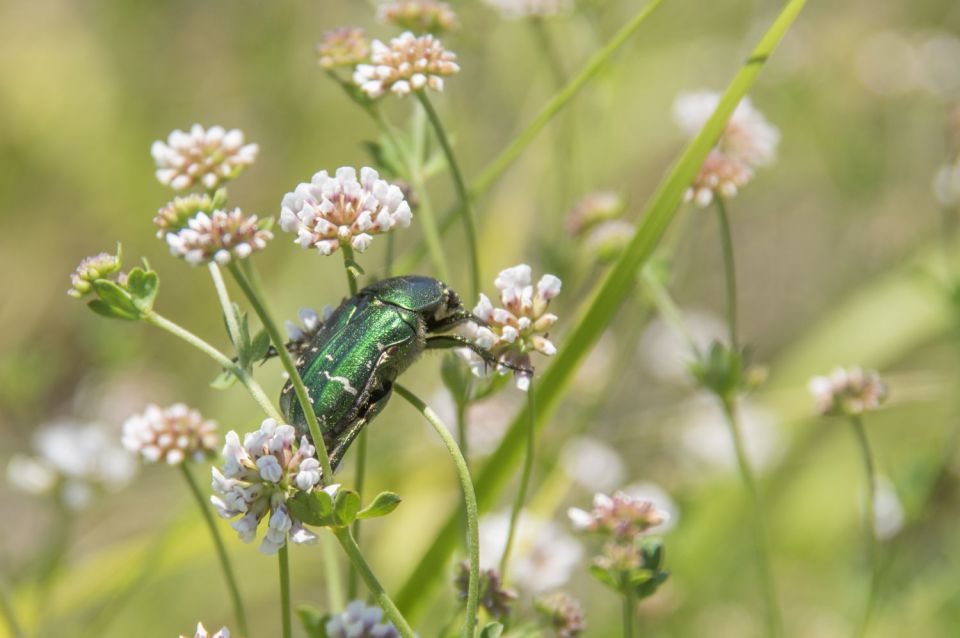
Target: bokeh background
<point>841,249</point>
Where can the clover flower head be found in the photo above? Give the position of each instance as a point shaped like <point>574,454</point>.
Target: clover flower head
<point>419,16</point>
<point>594,209</point>
<point>516,9</point>
<point>202,633</point>
<point>497,599</point>
<point>848,391</point>
<point>330,211</point>
<point>259,477</point>
<point>748,142</point>
<point>346,46</point>
<point>101,266</point>
<point>608,240</point>
<point>563,614</point>
<point>173,434</point>
<point>544,554</point>
<point>621,516</point>
<point>946,185</point>
<point>517,328</point>
<point>220,237</point>
<point>176,215</point>
<point>209,157</point>
<point>360,621</point>
<point>408,63</point>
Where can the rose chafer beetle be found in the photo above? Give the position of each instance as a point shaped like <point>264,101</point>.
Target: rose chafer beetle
<point>350,364</point>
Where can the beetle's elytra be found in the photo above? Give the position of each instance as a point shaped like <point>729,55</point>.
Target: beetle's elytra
<point>351,363</point>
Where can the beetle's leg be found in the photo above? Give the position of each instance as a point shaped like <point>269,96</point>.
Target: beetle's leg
<point>445,342</point>
<point>454,320</point>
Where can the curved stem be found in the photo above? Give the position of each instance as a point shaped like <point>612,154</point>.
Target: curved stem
<point>470,499</point>
<point>629,612</point>
<point>524,483</point>
<point>869,522</point>
<point>285,618</point>
<point>729,270</point>
<point>259,306</point>
<point>154,319</point>
<point>759,527</point>
<point>228,574</point>
<point>469,224</point>
<point>376,589</point>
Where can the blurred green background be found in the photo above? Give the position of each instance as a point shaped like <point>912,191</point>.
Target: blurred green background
<point>837,245</point>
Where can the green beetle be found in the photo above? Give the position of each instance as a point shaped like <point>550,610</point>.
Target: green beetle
<point>350,364</point>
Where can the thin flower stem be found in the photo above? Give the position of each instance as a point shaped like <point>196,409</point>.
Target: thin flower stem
<point>759,518</point>
<point>730,271</point>
<point>869,509</point>
<point>470,499</point>
<point>545,43</point>
<point>629,612</point>
<point>667,309</point>
<point>233,327</point>
<point>426,215</point>
<point>524,483</point>
<point>254,388</point>
<point>285,618</point>
<point>259,306</point>
<point>469,223</point>
<point>9,613</point>
<point>348,265</point>
<point>376,589</point>
<point>228,574</point>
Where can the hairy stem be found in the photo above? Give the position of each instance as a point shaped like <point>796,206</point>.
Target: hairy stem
<point>259,306</point>
<point>470,499</point>
<point>524,484</point>
<point>285,618</point>
<point>729,271</point>
<point>869,510</point>
<point>233,327</point>
<point>376,589</point>
<point>228,573</point>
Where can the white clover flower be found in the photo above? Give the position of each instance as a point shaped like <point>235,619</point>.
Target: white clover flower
<point>202,633</point>
<point>419,16</point>
<point>257,479</point>
<point>515,9</point>
<point>516,329</point>
<point>946,185</point>
<point>887,510</point>
<point>408,63</point>
<point>208,157</point>
<point>176,214</point>
<point>592,464</point>
<point>346,46</point>
<point>848,391</point>
<point>220,236</point>
<point>748,142</point>
<point>78,459</point>
<point>594,209</point>
<point>101,266</point>
<point>621,517</point>
<point>330,211</point>
<point>648,491</point>
<point>543,557</point>
<point>174,434</point>
<point>360,621</point>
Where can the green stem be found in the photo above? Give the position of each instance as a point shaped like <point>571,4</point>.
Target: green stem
<point>545,44</point>
<point>524,483</point>
<point>469,222</point>
<point>667,309</point>
<point>259,306</point>
<point>759,518</point>
<point>729,270</point>
<point>348,265</point>
<point>285,618</point>
<point>9,612</point>
<point>228,574</point>
<point>335,597</point>
<point>229,314</point>
<point>376,589</point>
<point>159,321</point>
<point>470,499</point>
<point>873,552</point>
<point>629,612</point>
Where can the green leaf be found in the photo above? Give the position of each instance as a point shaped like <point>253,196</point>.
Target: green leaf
<point>345,507</point>
<point>383,504</point>
<point>605,577</point>
<point>224,380</point>
<point>260,346</point>
<point>142,286</point>
<point>104,309</point>
<point>313,620</point>
<point>314,508</point>
<point>492,630</point>
<point>116,297</point>
<point>598,312</point>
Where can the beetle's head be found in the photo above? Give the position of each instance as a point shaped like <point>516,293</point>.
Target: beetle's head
<point>450,305</point>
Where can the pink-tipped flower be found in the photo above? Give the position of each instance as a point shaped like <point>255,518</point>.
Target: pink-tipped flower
<point>220,236</point>
<point>102,266</point>
<point>346,46</point>
<point>848,391</point>
<point>202,633</point>
<point>172,435</point>
<point>516,9</point>
<point>419,16</point>
<point>519,327</point>
<point>748,142</point>
<point>408,63</point>
<point>208,157</point>
<point>621,516</point>
<point>257,479</point>
<point>330,211</point>
<point>562,613</point>
<point>176,214</point>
